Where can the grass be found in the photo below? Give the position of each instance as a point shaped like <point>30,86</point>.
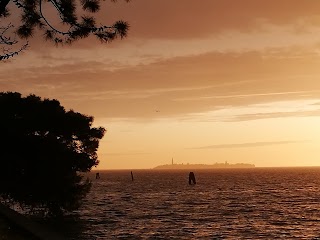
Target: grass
<point>10,232</point>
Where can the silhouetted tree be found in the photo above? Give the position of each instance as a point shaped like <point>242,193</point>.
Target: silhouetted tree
<point>43,151</point>
<point>73,25</point>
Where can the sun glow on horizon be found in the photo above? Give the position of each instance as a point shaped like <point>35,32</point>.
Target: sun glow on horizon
<point>217,136</point>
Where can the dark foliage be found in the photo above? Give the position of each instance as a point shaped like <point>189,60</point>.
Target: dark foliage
<point>43,151</point>
<point>72,26</point>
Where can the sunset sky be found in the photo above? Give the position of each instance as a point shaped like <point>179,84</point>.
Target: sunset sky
<point>197,81</point>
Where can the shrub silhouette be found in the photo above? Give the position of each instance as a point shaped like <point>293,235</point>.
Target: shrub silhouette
<point>43,151</point>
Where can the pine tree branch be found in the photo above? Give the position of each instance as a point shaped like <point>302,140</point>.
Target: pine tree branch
<point>77,27</point>
<point>3,5</point>
<point>9,54</point>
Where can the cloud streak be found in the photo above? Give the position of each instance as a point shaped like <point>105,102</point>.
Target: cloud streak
<point>245,145</point>
<point>124,153</point>
<point>177,87</point>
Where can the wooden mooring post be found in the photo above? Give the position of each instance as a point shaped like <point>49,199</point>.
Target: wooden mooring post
<point>192,178</point>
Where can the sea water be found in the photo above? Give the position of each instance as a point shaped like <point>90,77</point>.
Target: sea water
<point>256,203</point>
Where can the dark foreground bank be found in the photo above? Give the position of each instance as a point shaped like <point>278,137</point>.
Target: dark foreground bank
<point>9,231</point>
<point>16,226</point>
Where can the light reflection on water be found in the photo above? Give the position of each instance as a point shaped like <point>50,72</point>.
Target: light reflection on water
<point>224,204</point>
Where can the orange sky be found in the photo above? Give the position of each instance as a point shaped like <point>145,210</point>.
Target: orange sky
<point>200,81</point>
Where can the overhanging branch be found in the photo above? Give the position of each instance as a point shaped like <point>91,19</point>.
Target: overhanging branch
<point>3,5</point>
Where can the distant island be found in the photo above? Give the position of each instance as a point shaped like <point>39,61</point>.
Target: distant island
<point>204,166</point>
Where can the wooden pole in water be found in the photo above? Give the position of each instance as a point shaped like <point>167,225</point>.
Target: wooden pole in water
<point>131,176</point>
<point>192,178</point>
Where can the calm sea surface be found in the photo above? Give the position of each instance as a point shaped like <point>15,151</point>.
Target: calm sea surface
<point>259,203</point>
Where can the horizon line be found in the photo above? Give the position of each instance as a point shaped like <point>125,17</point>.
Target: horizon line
<point>129,169</point>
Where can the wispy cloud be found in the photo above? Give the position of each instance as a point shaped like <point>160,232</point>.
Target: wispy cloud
<point>248,117</point>
<point>246,145</point>
<point>276,109</point>
<point>295,93</point>
<point>124,153</point>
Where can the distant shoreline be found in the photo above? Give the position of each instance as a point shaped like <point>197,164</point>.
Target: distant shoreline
<point>205,166</point>
<point>148,169</point>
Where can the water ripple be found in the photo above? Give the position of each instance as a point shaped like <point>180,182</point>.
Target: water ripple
<point>225,204</point>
